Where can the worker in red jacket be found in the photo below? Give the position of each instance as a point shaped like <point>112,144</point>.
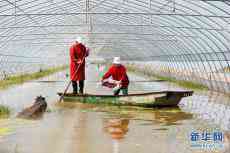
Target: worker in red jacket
<point>120,80</point>
<point>78,52</point>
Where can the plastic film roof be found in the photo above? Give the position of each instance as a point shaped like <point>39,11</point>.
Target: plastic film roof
<point>34,32</point>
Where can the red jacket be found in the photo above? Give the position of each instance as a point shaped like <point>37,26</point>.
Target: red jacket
<point>77,53</point>
<point>118,73</point>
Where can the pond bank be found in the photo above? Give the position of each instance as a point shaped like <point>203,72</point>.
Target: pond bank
<point>19,79</point>
<point>151,74</point>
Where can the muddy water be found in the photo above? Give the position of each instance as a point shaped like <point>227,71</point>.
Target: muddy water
<point>83,128</point>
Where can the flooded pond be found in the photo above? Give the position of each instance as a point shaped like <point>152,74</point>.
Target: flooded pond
<point>87,128</point>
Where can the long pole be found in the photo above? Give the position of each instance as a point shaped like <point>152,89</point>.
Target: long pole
<point>66,89</point>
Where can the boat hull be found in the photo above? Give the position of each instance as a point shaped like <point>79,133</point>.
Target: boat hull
<point>151,99</point>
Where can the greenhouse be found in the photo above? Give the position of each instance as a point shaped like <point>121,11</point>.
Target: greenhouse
<point>167,47</point>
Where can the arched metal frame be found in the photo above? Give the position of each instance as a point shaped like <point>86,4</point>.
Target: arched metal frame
<point>190,37</point>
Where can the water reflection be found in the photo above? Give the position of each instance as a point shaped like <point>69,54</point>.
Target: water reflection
<point>162,116</point>
<point>116,128</point>
<point>171,116</point>
<point>212,107</point>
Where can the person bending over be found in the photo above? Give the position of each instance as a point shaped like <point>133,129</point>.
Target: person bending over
<point>120,80</point>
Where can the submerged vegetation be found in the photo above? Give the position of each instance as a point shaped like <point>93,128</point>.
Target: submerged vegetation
<point>182,83</point>
<point>4,111</point>
<point>18,79</point>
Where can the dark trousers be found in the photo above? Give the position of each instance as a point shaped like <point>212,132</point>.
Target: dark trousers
<point>124,91</point>
<point>75,86</point>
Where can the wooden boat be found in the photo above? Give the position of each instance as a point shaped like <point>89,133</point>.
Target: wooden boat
<point>150,99</point>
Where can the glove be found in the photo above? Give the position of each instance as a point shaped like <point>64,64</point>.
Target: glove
<point>117,88</point>
<point>118,82</point>
<point>114,81</point>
